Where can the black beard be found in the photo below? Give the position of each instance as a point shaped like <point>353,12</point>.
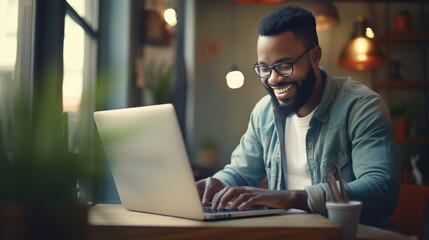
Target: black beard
<point>303,92</point>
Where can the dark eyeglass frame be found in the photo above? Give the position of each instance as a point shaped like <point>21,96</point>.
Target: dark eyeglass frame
<point>256,65</point>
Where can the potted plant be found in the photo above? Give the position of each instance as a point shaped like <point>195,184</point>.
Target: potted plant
<point>38,197</point>
<point>402,113</point>
<point>160,82</point>
<point>208,156</point>
<point>398,112</point>
<point>402,20</point>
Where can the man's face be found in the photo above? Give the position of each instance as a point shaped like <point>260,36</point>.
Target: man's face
<point>293,91</point>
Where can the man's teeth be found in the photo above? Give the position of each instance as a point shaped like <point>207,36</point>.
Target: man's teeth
<point>283,90</point>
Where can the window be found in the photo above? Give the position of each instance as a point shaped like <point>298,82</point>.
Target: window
<point>44,44</point>
<point>8,44</point>
<point>74,48</point>
<point>79,51</point>
<point>80,43</point>
<point>8,34</point>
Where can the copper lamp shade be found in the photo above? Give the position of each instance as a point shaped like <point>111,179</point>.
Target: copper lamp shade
<point>325,13</point>
<point>361,52</point>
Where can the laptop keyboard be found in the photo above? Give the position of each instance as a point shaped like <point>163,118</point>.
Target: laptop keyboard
<point>208,209</point>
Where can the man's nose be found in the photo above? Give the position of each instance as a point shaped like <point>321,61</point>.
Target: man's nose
<point>274,77</point>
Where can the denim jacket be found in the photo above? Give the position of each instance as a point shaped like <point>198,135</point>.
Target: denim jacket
<point>351,128</point>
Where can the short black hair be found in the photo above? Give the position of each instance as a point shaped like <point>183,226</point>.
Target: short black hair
<point>290,18</point>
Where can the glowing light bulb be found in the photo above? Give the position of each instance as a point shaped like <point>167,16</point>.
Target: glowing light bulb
<point>170,17</point>
<point>369,33</point>
<point>235,79</point>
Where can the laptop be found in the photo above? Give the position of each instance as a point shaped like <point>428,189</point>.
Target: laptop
<point>150,166</point>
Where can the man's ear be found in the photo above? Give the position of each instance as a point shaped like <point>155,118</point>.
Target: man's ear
<point>316,55</point>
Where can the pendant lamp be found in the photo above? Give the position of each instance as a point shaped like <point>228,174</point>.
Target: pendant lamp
<point>362,52</point>
<point>234,78</point>
<point>325,13</point>
<point>258,1</point>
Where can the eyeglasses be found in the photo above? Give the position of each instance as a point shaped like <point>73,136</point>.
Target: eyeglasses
<point>282,68</point>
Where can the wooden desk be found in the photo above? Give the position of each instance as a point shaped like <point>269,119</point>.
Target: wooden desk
<point>109,221</point>
<point>112,221</point>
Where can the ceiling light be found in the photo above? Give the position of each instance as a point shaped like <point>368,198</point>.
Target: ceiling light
<point>170,17</point>
<point>325,13</point>
<point>235,79</point>
<point>361,52</point>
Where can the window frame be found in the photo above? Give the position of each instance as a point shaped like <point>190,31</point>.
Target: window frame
<point>39,67</point>
<point>85,180</point>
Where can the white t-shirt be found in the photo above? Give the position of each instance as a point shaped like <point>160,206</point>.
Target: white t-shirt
<point>298,173</point>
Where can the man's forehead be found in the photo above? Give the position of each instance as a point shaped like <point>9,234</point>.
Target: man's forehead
<point>288,38</point>
<point>283,44</point>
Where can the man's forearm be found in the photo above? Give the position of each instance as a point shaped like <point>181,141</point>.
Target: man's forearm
<point>299,200</point>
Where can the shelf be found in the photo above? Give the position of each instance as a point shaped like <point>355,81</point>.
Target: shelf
<point>412,36</point>
<point>402,84</point>
<point>413,140</point>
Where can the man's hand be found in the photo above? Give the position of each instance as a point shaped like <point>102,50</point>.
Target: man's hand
<point>207,188</point>
<point>244,197</point>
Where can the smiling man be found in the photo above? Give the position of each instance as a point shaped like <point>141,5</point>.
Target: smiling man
<point>308,123</point>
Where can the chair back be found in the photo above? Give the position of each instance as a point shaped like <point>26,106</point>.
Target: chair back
<point>410,215</point>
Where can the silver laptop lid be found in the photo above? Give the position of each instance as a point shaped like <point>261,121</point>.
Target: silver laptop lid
<point>148,159</point>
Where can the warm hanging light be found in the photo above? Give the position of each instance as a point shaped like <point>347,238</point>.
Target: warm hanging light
<point>235,79</point>
<point>361,52</point>
<point>170,17</point>
<point>258,1</point>
<point>326,14</point>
